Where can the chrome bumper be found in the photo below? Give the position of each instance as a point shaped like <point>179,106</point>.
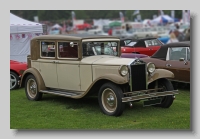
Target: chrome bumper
<point>146,94</point>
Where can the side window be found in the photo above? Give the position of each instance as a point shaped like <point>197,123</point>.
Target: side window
<point>67,51</point>
<point>177,53</point>
<point>47,49</point>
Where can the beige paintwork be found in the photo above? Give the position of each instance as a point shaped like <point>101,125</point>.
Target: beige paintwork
<point>68,75</point>
<point>107,60</point>
<point>85,76</point>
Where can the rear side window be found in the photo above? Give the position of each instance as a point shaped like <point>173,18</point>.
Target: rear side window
<point>47,49</point>
<point>67,51</point>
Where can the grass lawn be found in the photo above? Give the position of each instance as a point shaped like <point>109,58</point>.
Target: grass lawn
<point>56,112</point>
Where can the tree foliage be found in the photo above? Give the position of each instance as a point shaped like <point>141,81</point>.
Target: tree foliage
<point>59,15</point>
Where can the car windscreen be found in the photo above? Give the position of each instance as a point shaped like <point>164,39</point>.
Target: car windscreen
<point>100,48</point>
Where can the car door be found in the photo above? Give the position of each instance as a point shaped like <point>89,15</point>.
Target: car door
<point>181,69</point>
<point>46,63</point>
<point>68,66</point>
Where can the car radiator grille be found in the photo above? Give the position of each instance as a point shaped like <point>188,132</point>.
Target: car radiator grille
<point>138,75</point>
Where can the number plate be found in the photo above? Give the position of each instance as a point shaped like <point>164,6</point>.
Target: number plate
<point>152,102</point>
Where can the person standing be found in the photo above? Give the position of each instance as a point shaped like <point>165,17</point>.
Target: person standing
<point>172,38</point>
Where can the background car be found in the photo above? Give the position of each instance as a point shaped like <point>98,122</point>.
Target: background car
<point>137,33</point>
<point>174,57</point>
<point>16,70</point>
<point>147,46</point>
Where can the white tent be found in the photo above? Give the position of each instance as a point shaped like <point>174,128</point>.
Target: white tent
<point>21,32</point>
<point>56,26</point>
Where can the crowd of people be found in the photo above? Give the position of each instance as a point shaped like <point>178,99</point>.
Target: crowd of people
<point>177,36</point>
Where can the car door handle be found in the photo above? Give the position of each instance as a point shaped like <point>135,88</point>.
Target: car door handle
<point>168,65</point>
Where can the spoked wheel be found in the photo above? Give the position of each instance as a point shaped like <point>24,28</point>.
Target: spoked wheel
<point>14,78</point>
<point>31,88</point>
<point>110,99</point>
<point>166,101</point>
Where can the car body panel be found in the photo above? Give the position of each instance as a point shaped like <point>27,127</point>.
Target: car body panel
<point>161,59</point>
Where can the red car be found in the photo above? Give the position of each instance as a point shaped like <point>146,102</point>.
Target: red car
<point>147,46</point>
<point>16,70</point>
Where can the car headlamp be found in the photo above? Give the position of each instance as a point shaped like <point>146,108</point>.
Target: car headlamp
<point>123,70</point>
<point>151,67</point>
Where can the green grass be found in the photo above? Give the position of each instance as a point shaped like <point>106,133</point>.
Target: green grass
<point>56,112</point>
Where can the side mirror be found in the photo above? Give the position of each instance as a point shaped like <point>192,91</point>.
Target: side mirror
<point>72,44</point>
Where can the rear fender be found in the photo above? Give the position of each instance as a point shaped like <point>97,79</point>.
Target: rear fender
<point>39,79</point>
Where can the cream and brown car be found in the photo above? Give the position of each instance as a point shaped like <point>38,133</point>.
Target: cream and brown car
<point>78,66</point>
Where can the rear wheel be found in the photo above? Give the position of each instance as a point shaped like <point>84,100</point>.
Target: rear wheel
<point>166,101</point>
<point>31,88</point>
<point>110,99</point>
<point>14,78</point>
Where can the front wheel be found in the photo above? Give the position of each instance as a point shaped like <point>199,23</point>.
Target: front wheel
<point>110,99</point>
<point>31,88</point>
<point>166,101</point>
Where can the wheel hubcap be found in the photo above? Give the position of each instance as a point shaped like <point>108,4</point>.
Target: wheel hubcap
<point>13,81</point>
<point>109,100</point>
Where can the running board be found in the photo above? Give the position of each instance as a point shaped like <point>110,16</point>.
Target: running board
<point>61,93</point>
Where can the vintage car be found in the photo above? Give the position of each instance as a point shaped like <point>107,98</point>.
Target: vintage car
<point>16,70</point>
<point>174,57</point>
<point>147,46</point>
<point>83,68</point>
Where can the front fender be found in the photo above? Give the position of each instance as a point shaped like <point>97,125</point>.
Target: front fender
<point>39,79</point>
<point>160,73</point>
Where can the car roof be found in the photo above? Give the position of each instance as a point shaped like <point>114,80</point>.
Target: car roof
<point>162,52</point>
<point>74,37</point>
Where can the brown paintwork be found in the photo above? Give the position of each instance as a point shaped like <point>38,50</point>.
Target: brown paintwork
<point>40,82</point>
<point>180,70</point>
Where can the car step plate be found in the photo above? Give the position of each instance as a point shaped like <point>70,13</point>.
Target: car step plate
<point>152,102</point>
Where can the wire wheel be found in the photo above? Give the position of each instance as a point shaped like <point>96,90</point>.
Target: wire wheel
<point>32,88</point>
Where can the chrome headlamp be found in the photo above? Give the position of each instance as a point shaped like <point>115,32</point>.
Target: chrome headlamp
<point>151,67</point>
<point>123,70</point>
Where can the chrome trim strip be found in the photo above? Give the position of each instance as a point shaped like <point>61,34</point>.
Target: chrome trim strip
<point>149,95</point>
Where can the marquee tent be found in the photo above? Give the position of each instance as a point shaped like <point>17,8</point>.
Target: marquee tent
<point>21,32</point>
<point>162,19</point>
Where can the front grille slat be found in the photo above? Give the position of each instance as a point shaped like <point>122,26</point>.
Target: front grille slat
<point>138,77</point>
